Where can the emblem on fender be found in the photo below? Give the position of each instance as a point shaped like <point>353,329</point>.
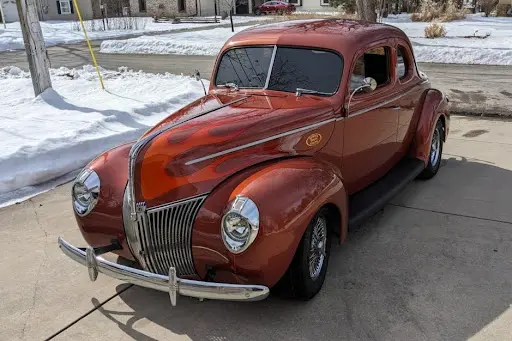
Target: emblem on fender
<point>313,139</point>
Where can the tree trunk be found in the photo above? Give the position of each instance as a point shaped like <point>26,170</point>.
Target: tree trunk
<point>366,10</point>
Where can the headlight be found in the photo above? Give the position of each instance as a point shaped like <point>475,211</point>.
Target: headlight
<point>240,224</point>
<point>85,192</point>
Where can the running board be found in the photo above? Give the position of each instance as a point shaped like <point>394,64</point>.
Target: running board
<point>370,200</point>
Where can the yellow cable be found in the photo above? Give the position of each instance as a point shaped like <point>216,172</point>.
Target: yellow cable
<point>88,43</point>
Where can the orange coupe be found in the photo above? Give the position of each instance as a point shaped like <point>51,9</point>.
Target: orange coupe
<point>308,127</point>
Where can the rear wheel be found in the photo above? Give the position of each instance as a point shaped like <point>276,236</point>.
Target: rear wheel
<point>306,274</point>
<point>436,151</point>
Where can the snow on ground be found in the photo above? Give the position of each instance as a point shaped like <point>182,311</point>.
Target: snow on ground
<point>187,43</point>
<point>454,48</point>
<point>66,32</point>
<point>64,128</point>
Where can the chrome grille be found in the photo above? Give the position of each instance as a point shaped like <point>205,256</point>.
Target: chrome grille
<point>161,236</point>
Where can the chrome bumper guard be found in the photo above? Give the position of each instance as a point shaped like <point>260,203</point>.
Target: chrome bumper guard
<point>171,284</point>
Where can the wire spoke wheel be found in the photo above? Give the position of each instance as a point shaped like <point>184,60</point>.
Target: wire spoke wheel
<point>435,147</point>
<point>317,247</point>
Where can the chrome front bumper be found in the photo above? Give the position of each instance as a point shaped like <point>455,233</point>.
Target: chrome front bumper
<point>171,284</point>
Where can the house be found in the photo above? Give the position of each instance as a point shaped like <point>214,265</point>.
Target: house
<point>301,5</point>
<point>55,9</point>
<point>505,2</point>
<point>177,8</point>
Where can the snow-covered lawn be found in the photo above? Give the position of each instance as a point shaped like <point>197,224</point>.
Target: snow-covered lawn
<point>53,135</point>
<point>63,32</point>
<point>207,42</point>
<point>454,48</point>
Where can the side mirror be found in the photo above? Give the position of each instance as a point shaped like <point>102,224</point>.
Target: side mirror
<point>369,85</point>
<point>197,75</point>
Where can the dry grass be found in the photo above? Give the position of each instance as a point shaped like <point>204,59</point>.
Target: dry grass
<point>431,11</point>
<point>435,30</point>
<point>501,10</point>
<point>113,24</point>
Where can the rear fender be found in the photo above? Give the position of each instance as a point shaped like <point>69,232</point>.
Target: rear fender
<point>435,106</point>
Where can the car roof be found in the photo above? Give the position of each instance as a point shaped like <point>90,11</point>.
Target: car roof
<point>343,35</point>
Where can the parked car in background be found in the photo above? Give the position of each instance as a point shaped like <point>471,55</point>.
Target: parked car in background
<point>274,7</point>
<point>308,127</point>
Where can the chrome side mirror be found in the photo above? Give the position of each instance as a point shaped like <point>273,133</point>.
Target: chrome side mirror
<point>369,85</point>
<point>197,75</point>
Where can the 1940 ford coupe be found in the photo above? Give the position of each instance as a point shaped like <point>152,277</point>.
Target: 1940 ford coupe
<point>308,128</point>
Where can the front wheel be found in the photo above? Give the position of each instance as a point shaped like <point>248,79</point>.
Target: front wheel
<point>306,274</point>
<point>257,12</point>
<point>436,151</point>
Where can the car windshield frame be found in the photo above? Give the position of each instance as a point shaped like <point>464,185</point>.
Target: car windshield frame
<point>271,67</point>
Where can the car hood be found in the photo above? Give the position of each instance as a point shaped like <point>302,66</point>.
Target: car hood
<point>194,149</point>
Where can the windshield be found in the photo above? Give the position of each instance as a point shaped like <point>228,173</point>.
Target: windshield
<point>293,68</point>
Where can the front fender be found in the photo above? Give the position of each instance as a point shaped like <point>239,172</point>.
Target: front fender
<point>288,193</point>
<point>435,106</point>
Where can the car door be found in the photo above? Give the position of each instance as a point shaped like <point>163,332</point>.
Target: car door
<point>370,145</point>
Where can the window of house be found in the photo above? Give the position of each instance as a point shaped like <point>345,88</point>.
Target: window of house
<point>295,2</point>
<point>142,5</point>
<point>64,6</point>
<point>402,62</point>
<point>324,2</point>
<point>181,5</point>
<point>373,63</point>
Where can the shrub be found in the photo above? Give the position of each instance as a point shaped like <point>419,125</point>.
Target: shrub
<point>488,6</point>
<point>431,11</point>
<point>435,30</point>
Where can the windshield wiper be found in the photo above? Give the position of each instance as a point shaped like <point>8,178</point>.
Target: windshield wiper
<point>229,85</point>
<point>301,91</point>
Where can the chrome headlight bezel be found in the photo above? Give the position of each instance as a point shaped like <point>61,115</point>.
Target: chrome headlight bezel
<point>247,213</point>
<point>85,192</point>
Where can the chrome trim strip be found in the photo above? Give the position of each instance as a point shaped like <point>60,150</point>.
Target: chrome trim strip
<point>134,151</point>
<point>386,102</point>
<point>166,283</point>
<point>270,67</point>
<point>254,143</point>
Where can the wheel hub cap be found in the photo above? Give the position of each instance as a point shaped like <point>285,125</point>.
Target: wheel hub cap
<point>317,247</point>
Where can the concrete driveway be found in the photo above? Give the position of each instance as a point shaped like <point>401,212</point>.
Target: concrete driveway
<point>435,264</point>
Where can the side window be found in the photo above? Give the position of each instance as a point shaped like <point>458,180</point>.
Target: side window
<point>373,63</point>
<point>402,62</point>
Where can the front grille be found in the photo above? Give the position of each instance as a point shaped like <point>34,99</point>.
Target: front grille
<point>162,236</point>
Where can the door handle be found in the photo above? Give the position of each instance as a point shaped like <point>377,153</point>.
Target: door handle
<point>396,107</point>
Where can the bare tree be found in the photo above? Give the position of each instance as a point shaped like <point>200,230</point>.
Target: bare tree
<point>366,10</point>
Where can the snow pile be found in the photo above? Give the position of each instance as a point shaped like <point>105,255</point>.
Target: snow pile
<point>63,32</point>
<point>491,41</point>
<point>456,47</point>
<point>64,128</point>
<point>187,43</point>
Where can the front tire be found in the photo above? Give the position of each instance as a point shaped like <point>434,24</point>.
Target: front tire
<point>306,274</point>
<point>257,12</point>
<point>436,151</point>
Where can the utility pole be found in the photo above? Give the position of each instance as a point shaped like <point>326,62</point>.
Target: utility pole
<point>34,45</point>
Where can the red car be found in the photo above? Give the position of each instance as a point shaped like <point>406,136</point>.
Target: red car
<point>274,7</point>
<point>307,129</point>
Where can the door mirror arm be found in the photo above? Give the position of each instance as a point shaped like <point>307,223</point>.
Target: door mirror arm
<point>369,85</point>
<point>197,75</point>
